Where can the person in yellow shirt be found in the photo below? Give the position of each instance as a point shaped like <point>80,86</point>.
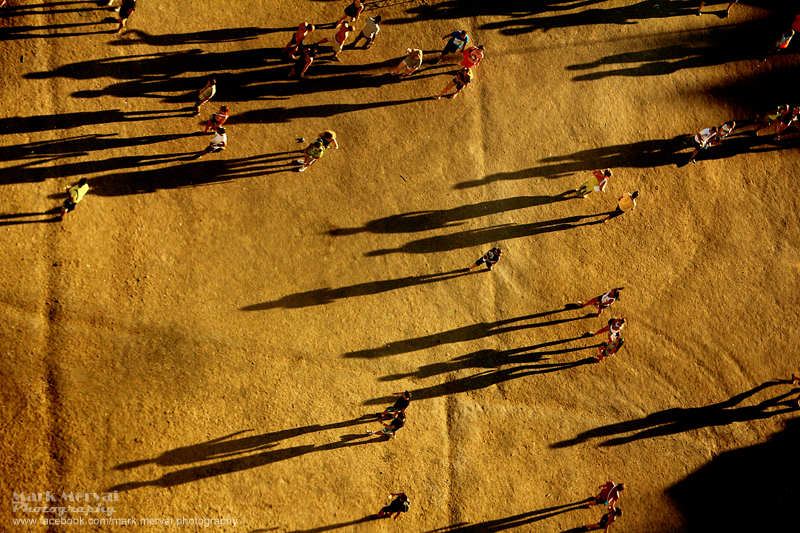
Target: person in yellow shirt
<point>626,202</point>
<point>74,195</point>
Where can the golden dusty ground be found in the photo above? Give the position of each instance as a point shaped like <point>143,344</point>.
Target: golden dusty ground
<point>205,337</point>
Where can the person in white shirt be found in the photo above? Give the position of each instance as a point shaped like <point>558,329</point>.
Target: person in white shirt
<point>218,143</point>
<point>369,32</point>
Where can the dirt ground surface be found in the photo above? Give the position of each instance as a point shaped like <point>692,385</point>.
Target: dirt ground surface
<point>211,338</point>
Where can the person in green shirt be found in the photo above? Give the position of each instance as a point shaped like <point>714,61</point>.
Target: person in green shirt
<point>74,195</point>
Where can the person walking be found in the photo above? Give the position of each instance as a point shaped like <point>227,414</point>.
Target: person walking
<point>353,11</point>
<point>727,11</point>
<point>472,56</point>
<point>625,203</point>
<point>702,141</point>
<point>338,39</point>
<point>607,349</point>
<point>614,329</point>
<point>462,78</point>
<point>315,150</point>
<point>392,427</point>
<point>125,11</point>
<point>608,495</point>
<point>205,94</point>
<point>400,405</point>
<point>75,194</point>
<point>781,44</point>
<point>304,30</point>
<point>369,32</point>
<point>787,120</point>
<point>217,119</point>
<point>399,505</point>
<point>603,301</point>
<point>598,183</point>
<point>456,41</point>
<point>217,144</point>
<point>410,63</point>
<point>605,522</point>
<point>304,61</point>
<point>490,259</point>
<point>772,116</point>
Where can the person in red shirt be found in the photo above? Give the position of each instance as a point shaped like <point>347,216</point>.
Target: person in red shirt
<point>472,56</point>
<point>614,329</point>
<point>398,505</point>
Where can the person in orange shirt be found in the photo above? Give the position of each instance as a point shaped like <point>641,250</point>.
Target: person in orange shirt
<point>217,119</point>
<point>625,203</point>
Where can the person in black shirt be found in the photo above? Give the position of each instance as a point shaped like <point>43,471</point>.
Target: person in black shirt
<point>400,405</point>
<point>392,427</point>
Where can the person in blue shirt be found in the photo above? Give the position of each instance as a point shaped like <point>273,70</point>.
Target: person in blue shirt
<point>457,41</point>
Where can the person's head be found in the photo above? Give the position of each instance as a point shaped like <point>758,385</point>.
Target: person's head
<point>713,129</point>
<point>212,81</point>
<point>328,135</point>
<point>310,27</point>
<point>621,486</point>
<point>317,143</point>
<point>401,416</point>
<point>377,19</point>
<point>312,50</point>
<point>407,395</point>
<point>224,109</point>
<point>635,194</point>
<point>82,182</point>
<point>480,47</point>
<point>462,33</point>
<point>416,53</point>
<point>221,130</point>
<point>497,251</point>
<point>617,511</point>
<point>728,126</point>
<point>607,173</point>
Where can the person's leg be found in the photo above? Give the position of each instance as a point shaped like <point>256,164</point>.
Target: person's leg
<point>358,39</point>
<point>447,88</point>
<point>593,301</point>
<point>694,154</point>
<point>370,40</point>
<point>699,9</point>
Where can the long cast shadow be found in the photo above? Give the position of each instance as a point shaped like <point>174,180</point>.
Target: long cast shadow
<point>64,121</point>
<point>717,46</point>
<point>227,446</point>
<point>340,525</point>
<point>643,154</point>
<point>510,522</point>
<point>680,420</point>
<point>771,467</point>
<point>486,379</point>
<point>227,35</point>
<point>446,218</point>
<point>466,333</point>
<point>478,237</point>
<point>489,359</point>
<point>6,220</point>
<point>275,115</point>
<point>229,466</point>
<point>327,295</point>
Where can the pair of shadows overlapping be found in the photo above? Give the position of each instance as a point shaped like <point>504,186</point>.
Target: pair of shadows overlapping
<point>237,454</point>
<point>16,32</point>
<point>680,420</point>
<point>515,521</point>
<point>643,154</point>
<point>465,333</point>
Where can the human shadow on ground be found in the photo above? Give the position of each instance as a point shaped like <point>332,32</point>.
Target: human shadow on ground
<point>680,420</point>
<point>275,115</point>
<point>65,121</point>
<point>486,379</point>
<point>229,466</point>
<point>511,522</point>
<point>81,145</point>
<point>478,237</point>
<point>771,468</point>
<point>227,35</point>
<point>643,154</point>
<point>7,219</point>
<point>328,295</point>
<point>321,529</point>
<point>491,359</point>
<point>16,33</point>
<point>228,446</point>
<point>48,8</point>
<point>715,46</point>
<point>242,75</point>
<point>466,333</point>
<point>446,218</point>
